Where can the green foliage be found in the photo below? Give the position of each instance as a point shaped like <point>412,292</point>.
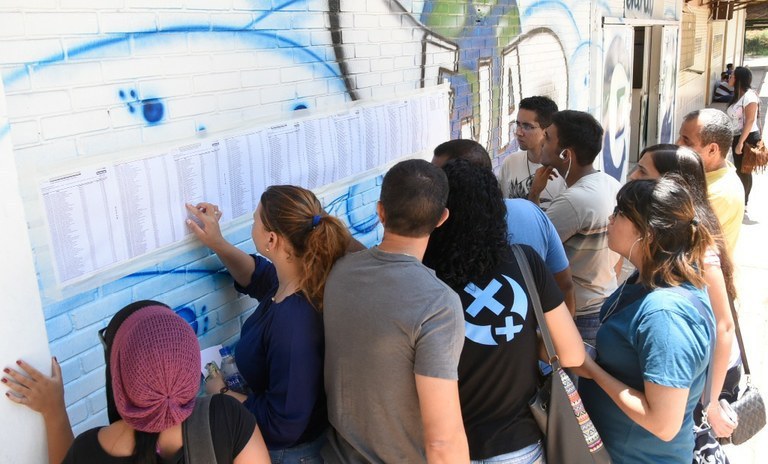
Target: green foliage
<point>756,42</point>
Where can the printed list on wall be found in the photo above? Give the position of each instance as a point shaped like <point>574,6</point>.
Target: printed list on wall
<point>101,216</point>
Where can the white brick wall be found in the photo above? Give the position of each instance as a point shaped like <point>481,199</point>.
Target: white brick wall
<point>69,67</point>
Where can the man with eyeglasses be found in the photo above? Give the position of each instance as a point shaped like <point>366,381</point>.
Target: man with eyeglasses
<point>521,174</point>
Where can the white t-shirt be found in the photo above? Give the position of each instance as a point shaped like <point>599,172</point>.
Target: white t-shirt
<point>580,216</point>
<point>516,176</point>
<point>736,112</point>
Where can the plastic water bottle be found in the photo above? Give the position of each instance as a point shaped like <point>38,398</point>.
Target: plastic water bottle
<point>229,371</point>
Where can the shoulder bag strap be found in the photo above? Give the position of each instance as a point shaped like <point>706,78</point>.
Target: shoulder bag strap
<point>739,339</point>
<point>533,294</point>
<point>196,433</point>
<point>682,291</point>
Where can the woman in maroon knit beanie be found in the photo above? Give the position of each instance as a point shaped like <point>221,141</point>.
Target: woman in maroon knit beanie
<point>153,377</point>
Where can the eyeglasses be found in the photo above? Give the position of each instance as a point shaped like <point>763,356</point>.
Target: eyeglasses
<point>526,126</point>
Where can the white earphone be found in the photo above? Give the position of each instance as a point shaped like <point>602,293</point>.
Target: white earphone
<point>570,160</point>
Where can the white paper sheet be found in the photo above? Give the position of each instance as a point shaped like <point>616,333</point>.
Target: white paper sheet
<point>100,216</point>
<point>83,214</point>
<point>208,355</point>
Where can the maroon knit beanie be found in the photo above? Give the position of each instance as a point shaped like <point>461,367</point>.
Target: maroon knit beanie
<point>155,364</point>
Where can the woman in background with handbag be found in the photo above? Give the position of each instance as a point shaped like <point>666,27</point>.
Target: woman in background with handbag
<point>498,368</point>
<point>653,345</point>
<point>743,111</point>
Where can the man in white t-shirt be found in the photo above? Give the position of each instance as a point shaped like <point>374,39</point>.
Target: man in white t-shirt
<point>581,213</point>
<point>522,172</point>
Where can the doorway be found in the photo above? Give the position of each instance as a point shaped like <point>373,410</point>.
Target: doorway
<point>641,79</point>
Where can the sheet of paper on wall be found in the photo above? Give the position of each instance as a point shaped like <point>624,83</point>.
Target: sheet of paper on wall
<point>83,214</point>
<point>208,355</point>
<point>100,216</point>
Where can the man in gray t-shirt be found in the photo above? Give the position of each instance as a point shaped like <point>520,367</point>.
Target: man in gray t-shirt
<point>394,333</point>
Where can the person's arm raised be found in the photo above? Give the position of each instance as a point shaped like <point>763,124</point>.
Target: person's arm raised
<point>239,263</point>
<point>540,178</point>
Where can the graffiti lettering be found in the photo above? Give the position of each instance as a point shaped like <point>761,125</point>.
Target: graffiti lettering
<point>642,6</point>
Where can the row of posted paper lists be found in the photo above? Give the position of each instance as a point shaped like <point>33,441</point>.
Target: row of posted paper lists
<point>102,215</point>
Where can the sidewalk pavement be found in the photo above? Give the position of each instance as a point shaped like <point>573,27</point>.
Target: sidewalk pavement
<point>751,259</point>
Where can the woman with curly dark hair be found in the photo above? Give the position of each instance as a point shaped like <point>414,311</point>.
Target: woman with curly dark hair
<point>499,361</point>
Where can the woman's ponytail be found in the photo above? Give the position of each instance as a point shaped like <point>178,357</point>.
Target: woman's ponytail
<point>326,242</point>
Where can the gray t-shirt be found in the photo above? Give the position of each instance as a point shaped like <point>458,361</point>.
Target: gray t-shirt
<point>581,215</point>
<point>387,317</point>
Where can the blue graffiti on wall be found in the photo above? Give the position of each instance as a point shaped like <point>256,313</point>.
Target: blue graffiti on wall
<point>152,108</point>
<point>361,218</point>
<point>188,314</point>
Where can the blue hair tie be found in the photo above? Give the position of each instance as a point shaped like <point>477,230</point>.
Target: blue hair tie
<point>315,221</point>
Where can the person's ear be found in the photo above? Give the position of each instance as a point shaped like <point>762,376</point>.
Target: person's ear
<point>380,212</point>
<point>443,218</point>
<point>272,240</point>
<point>713,150</point>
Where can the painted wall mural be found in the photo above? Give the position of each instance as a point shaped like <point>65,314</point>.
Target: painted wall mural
<point>110,80</point>
<point>667,84</point>
<point>616,94</point>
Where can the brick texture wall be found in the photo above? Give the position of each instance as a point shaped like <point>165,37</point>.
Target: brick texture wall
<point>90,79</point>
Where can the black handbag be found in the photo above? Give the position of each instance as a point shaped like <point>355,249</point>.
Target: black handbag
<point>749,407</point>
<point>569,435</point>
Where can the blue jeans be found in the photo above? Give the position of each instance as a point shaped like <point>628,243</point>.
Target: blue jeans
<point>305,453</point>
<point>532,454</point>
<point>587,326</point>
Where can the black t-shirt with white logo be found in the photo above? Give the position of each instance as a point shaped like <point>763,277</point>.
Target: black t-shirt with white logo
<point>498,370</point>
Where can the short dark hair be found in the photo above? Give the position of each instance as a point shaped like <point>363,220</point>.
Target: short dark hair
<point>724,75</point>
<point>413,195</point>
<point>580,132</point>
<point>714,127</point>
<point>729,66</point>
<point>544,108</point>
<point>464,149</point>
